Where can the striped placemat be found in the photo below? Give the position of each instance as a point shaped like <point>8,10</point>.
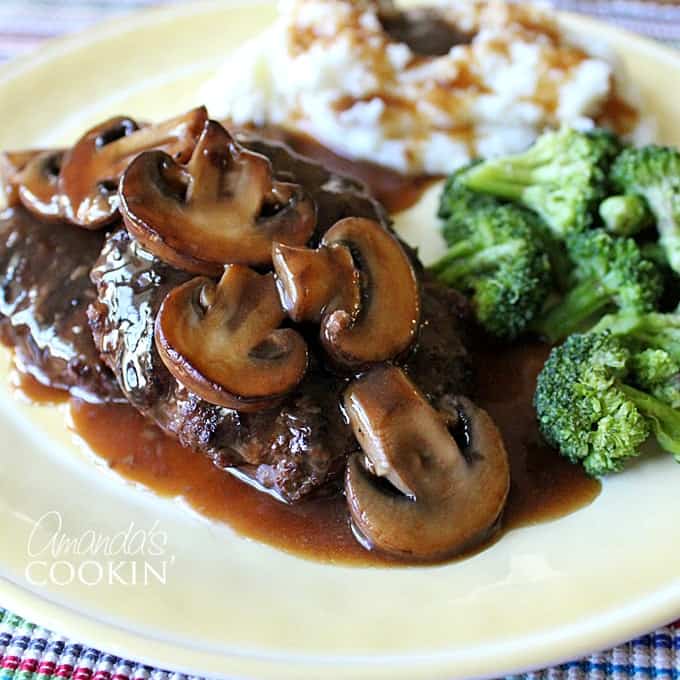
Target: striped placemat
<point>29,652</point>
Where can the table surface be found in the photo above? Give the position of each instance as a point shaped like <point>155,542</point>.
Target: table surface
<point>27,650</point>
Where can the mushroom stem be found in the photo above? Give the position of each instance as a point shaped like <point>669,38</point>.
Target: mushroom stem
<point>360,284</point>
<point>314,283</point>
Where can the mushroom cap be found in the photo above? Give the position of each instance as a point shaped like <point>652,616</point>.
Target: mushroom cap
<point>38,185</point>
<point>387,321</point>
<point>223,342</point>
<point>448,492</point>
<point>91,170</point>
<point>222,208</point>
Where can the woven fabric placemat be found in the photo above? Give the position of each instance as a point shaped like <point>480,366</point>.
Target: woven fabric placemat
<point>29,652</point>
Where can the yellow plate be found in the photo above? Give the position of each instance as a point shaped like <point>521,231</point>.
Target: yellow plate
<point>232,607</point>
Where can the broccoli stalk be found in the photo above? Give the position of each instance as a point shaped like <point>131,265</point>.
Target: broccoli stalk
<point>495,258</point>
<point>608,273</point>
<point>663,419</point>
<point>475,256</point>
<point>562,177</point>
<point>588,408</point>
<point>653,173</point>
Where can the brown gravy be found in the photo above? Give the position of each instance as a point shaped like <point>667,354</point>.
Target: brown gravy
<point>28,389</point>
<point>396,192</point>
<point>544,485</point>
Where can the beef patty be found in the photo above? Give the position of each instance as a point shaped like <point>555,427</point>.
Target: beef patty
<point>300,446</point>
<point>45,289</point>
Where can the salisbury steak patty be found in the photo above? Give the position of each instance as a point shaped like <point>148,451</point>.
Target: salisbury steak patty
<point>45,289</point>
<point>301,445</point>
<point>293,449</point>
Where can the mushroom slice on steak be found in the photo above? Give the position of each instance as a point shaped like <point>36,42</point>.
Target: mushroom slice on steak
<point>449,471</point>
<point>223,342</point>
<point>38,185</point>
<point>89,177</point>
<point>315,284</point>
<point>362,287</point>
<point>222,208</point>
<point>11,164</point>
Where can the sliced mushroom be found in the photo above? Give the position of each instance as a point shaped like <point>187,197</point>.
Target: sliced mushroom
<point>448,473</point>
<point>223,342</point>
<point>222,208</point>
<point>360,284</point>
<point>11,164</point>
<point>38,185</point>
<point>317,283</point>
<point>92,168</point>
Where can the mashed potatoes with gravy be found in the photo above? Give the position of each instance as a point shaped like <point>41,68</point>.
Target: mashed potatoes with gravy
<point>332,69</point>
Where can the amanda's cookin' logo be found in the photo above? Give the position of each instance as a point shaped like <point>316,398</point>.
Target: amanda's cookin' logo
<point>134,556</point>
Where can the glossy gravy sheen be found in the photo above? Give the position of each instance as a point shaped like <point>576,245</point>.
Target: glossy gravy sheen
<point>396,192</point>
<point>544,485</point>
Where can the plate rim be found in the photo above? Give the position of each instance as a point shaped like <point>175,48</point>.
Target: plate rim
<point>658,608</point>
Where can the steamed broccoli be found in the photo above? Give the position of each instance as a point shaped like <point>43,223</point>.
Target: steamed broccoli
<point>589,410</point>
<point>608,273</point>
<point>654,340</point>
<point>654,252</point>
<point>495,257</point>
<point>655,371</point>
<point>562,177</point>
<point>457,201</point>
<point>625,215</point>
<point>653,172</point>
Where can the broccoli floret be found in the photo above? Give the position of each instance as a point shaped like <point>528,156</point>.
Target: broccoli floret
<point>656,372</point>
<point>457,201</point>
<point>589,410</point>
<point>654,252</point>
<point>608,273</point>
<point>654,342</point>
<point>644,331</point>
<point>494,257</point>
<point>653,172</point>
<point>562,177</point>
<point>625,215</point>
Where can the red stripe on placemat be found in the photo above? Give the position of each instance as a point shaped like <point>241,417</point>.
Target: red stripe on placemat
<point>46,668</point>
<point>82,673</point>
<point>29,665</point>
<point>10,662</point>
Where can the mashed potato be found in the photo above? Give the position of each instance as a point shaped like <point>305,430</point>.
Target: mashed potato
<point>331,69</point>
